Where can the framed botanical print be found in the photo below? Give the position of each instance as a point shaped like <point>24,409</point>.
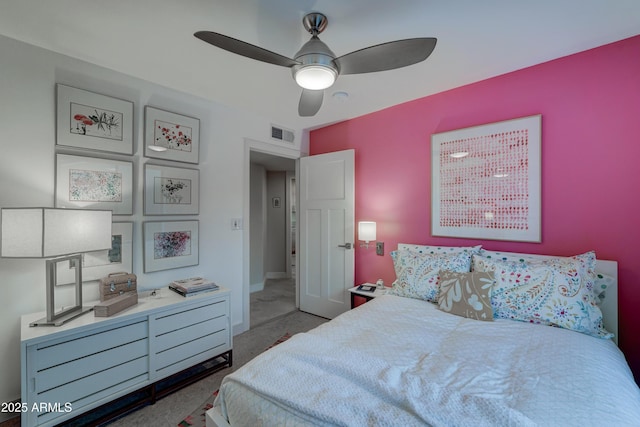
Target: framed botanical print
<point>170,191</point>
<point>171,136</point>
<point>486,181</point>
<point>99,264</point>
<point>92,121</point>
<point>170,244</point>
<point>93,183</point>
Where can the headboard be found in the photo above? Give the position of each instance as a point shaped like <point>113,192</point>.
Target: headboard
<point>608,305</point>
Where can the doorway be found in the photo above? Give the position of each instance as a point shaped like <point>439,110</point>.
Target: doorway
<point>272,207</point>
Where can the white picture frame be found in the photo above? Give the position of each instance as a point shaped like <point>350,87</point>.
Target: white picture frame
<point>171,190</point>
<point>93,121</point>
<point>171,136</point>
<point>94,183</point>
<point>99,264</point>
<point>170,244</point>
<point>485,181</point>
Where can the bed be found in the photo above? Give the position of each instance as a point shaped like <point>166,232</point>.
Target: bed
<point>402,360</point>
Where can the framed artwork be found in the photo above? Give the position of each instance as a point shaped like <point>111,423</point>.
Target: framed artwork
<point>486,181</point>
<point>171,136</point>
<point>93,183</point>
<point>170,244</point>
<point>170,191</point>
<point>92,121</point>
<point>99,264</point>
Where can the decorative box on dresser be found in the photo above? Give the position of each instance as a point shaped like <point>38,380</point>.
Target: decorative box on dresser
<point>90,361</point>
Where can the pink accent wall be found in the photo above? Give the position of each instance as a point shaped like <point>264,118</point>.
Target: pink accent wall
<point>590,106</point>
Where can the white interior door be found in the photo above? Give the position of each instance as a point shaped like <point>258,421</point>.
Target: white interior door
<point>326,227</point>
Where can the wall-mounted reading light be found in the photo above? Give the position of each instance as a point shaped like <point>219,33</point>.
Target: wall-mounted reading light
<point>366,232</point>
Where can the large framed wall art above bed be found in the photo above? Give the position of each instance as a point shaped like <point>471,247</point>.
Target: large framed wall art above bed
<point>485,181</point>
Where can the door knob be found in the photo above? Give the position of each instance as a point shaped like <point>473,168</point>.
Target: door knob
<point>346,246</point>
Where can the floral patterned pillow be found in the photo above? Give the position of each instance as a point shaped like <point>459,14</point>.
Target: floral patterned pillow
<point>466,294</point>
<point>600,282</point>
<point>437,250</point>
<point>504,256</point>
<point>557,292</point>
<point>417,273</point>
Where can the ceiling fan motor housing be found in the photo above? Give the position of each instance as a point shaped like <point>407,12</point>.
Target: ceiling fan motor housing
<point>315,22</point>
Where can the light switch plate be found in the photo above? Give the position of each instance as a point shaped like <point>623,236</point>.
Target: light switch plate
<point>379,248</point>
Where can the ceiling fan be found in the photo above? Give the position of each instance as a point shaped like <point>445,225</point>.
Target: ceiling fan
<point>315,67</point>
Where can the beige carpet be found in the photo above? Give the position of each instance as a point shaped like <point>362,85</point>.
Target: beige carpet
<point>198,417</point>
<point>277,298</point>
<point>171,410</point>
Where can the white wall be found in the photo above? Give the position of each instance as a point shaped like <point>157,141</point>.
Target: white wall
<point>257,224</point>
<point>275,255</point>
<point>27,118</point>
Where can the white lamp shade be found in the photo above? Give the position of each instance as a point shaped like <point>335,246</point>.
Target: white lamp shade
<point>367,231</point>
<point>48,232</point>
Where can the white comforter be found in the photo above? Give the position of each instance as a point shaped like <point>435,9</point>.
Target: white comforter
<point>399,361</point>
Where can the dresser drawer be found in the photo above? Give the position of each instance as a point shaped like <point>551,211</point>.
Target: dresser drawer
<point>76,347</point>
<point>181,350</point>
<point>182,338</point>
<point>84,368</point>
<point>185,317</point>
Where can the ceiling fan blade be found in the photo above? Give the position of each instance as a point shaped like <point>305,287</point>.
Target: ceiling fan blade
<point>310,102</point>
<point>387,56</point>
<point>245,49</point>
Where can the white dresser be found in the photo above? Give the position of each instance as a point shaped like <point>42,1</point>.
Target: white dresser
<point>90,361</point>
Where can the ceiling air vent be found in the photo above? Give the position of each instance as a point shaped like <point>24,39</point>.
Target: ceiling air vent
<point>281,134</point>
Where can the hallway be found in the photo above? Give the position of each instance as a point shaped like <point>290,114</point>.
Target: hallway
<point>276,299</point>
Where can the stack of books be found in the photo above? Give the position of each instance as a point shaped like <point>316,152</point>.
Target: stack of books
<point>193,286</point>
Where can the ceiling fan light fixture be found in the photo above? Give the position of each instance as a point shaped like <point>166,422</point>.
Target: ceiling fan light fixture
<point>315,77</point>
<point>315,67</point>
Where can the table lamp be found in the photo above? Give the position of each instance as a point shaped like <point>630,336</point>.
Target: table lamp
<point>59,235</point>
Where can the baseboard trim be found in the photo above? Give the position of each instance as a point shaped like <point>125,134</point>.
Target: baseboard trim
<point>256,287</point>
<point>277,275</point>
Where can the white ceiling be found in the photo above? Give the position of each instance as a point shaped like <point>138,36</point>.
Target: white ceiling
<point>153,40</point>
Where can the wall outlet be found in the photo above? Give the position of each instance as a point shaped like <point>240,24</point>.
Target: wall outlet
<point>236,223</point>
<point>379,248</point>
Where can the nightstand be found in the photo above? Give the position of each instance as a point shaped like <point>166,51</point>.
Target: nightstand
<point>366,295</point>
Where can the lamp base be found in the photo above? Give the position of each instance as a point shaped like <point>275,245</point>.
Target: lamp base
<point>59,321</point>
